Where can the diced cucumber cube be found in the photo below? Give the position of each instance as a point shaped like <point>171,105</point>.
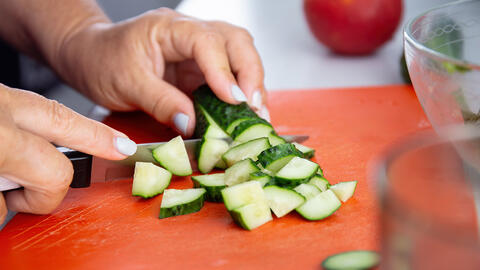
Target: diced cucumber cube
<point>344,190</point>
<point>282,200</point>
<point>173,157</point>
<point>149,180</point>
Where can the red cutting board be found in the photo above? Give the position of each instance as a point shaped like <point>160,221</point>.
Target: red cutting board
<point>104,227</point>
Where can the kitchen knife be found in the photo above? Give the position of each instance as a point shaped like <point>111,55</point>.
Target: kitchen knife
<point>89,169</point>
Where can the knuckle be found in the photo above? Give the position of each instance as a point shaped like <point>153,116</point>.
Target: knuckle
<point>242,34</point>
<point>61,118</point>
<point>209,36</point>
<point>63,176</point>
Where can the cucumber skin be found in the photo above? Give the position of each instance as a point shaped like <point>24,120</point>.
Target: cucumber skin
<point>247,124</point>
<point>201,123</point>
<point>222,113</point>
<point>276,152</point>
<point>286,183</point>
<point>326,263</point>
<point>212,194</point>
<point>178,210</point>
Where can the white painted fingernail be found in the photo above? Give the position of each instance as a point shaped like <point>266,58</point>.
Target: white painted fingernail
<point>257,100</point>
<point>264,113</point>
<point>181,122</point>
<point>237,94</point>
<point>125,146</point>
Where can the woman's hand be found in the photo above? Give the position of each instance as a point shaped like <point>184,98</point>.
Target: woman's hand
<point>28,123</point>
<point>152,62</point>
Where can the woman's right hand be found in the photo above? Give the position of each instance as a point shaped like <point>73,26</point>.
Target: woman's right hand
<point>29,123</point>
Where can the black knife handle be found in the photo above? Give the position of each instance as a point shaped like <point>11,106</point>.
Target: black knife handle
<point>82,167</point>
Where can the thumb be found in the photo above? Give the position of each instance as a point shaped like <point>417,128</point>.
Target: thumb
<point>167,104</point>
<point>58,124</point>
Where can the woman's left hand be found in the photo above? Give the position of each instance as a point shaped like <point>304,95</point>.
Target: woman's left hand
<point>152,62</point>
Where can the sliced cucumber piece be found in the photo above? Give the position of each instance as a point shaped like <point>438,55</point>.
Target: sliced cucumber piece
<point>282,200</point>
<point>176,202</point>
<point>240,172</point>
<point>252,215</point>
<point>212,183</point>
<point>320,182</point>
<point>275,139</point>
<point>319,207</point>
<point>173,157</point>
<point>149,179</point>
<point>235,123</point>
<point>274,158</point>
<point>356,259</point>
<point>297,171</point>
<point>308,191</point>
<point>249,149</point>
<point>261,177</point>
<point>251,129</point>
<point>344,190</point>
<point>320,172</point>
<point>224,114</point>
<point>206,125</point>
<point>221,164</point>
<point>243,194</point>
<point>307,151</point>
<point>209,153</point>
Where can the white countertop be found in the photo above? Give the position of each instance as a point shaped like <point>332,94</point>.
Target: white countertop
<point>292,58</point>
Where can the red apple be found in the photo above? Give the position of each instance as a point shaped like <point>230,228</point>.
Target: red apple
<point>353,26</point>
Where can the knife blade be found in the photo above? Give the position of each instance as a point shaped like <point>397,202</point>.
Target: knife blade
<point>89,169</point>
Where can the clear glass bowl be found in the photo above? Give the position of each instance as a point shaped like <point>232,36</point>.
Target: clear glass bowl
<point>430,201</point>
<point>442,50</point>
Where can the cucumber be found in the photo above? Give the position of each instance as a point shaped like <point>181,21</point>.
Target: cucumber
<point>252,215</point>
<point>356,259</point>
<point>275,139</point>
<point>297,171</point>
<point>240,172</point>
<point>281,200</point>
<point>243,194</point>
<point>149,180</point>
<point>212,183</point>
<point>320,206</point>
<point>224,114</point>
<point>176,202</point>
<point>221,164</point>
<point>344,190</point>
<point>206,126</point>
<point>235,123</point>
<point>261,177</point>
<point>173,157</point>
<point>251,129</point>
<point>274,158</point>
<point>320,182</point>
<point>209,152</point>
<point>307,151</point>
<point>249,149</point>
<point>308,191</point>
<point>320,171</point>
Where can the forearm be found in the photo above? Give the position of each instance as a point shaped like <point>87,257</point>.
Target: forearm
<point>41,28</point>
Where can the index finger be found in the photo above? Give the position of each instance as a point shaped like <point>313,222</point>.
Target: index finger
<point>56,123</point>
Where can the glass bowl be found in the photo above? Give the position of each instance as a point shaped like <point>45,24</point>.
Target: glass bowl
<point>429,187</point>
<point>442,50</point>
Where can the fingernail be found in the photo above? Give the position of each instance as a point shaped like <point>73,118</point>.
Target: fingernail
<point>257,100</point>
<point>264,113</point>
<point>237,94</point>
<point>180,120</point>
<point>125,146</point>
